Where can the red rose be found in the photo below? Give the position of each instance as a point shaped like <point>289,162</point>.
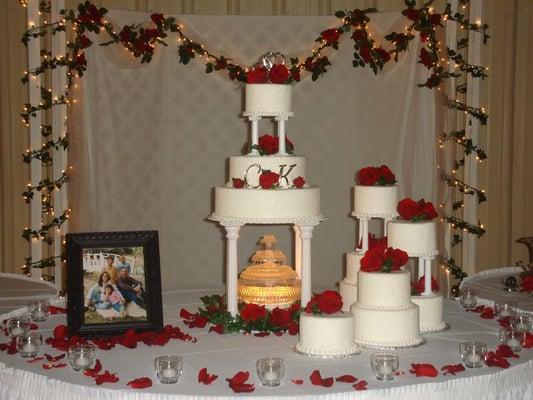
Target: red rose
<point>280,317</point>
<point>408,209</point>
<point>368,176</point>
<point>299,182</point>
<point>221,64</point>
<point>330,35</point>
<point>427,209</point>
<point>268,179</point>
<point>411,14</point>
<point>94,14</point>
<point>386,176</point>
<point>433,81</point>
<point>358,17</point>
<point>80,59</point>
<point>425,58</point>
<point>399,258</point>
<point>527,283</point>
<point>279,74</point>
<point>294,328</point>
<point>295,74</point>
<point>269,144</point>
<point>257,75</point>
<point>359,34</point>
<point>157,18</point>
<point>151,33</point>
<point>238,183</point>
<point>253,312</point>
<point>365,53</point>
<point>421,285</point>
<point>84,41</point>
<point>383,54</point>
<point>435,19</point>
<point>311,304</point>
<point>373,260</point>
<point>124,34</point>
<point>424,37</point>
<point>329,302</point>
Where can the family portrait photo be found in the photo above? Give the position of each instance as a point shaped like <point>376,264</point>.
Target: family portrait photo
<point>114,285</point>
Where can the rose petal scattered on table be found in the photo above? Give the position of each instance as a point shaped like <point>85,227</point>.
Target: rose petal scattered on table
<point>361,385</point>
<point>140,383</point>
<point>52,310</point>
<point>261,334</point>
<point>34,326</point>
<point>424,370</point>
<point>217,328</point>
<point>129,339</point>
<point>243,388</point>
<point>317,380</point>
<point>505,351</point>
<point>9,348</point>
<point>35,359</point>
<point>478,309</point>
<point>346,379</point>
<point>54,365</point>
<point>488,313</point>
<point>205,378</point>
<point>92,372</point>
<point>297,381</point>
<point>238,384</point>
<point>52,359</point>
<point>528,341</point>
<point>505,322</point>
<point>106,377</point>
<point>60,332</point>
<point>278,333</point>
<point>453,369</point>
<point>492,360</point>
<point>105,343</point>
<point>399,373</point>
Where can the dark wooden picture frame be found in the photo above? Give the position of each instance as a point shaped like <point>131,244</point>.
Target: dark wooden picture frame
<point>143,242</point>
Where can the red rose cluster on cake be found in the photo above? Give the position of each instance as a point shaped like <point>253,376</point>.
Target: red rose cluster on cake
<point>327,302</point>
<point>381,258</point>
<point>413,211</point>
<point>277,74</point>
<point>269,145</point>
<point>370,176</point>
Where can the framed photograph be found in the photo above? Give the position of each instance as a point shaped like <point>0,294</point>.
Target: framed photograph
<point>113,282</point>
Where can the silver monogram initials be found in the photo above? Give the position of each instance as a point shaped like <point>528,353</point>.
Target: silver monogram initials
<point>254,171</point>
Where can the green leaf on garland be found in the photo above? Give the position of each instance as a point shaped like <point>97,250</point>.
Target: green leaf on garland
<point>340,14</point>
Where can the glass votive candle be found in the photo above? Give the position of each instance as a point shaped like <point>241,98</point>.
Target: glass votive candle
<point>270,370</point>
<point>512,338</point>
<point>384,365</point>
<point>29,344</point>
<point>81,357</point>
<point>168,368</point>
<point>505,308</point>
<point>473,353</point>
<point>38,310</point>
<point>521,322</point>
<point>468,297</point>
<point>18,326</point>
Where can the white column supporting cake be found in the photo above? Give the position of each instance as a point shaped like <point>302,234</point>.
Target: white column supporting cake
<point>232,269</point>
<point>255,134</point>
<point>421,268</point>
<point>427,276</point>
<point>363,230</point>
<point>306,233</point>
<point>297,251</point>
<point>281,135</point>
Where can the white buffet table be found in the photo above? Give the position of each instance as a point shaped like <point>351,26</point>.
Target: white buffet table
<point>226,354</point>
<point>490,288</point>
<point>16,290</point>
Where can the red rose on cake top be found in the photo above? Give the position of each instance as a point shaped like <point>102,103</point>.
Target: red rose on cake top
<point>381,258</point>
<point>327,302</point>
<point>413,211</point>
<point>278,74</point>
<point>370,176</point>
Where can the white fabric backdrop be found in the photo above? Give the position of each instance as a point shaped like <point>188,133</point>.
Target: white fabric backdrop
<point>154,140</point>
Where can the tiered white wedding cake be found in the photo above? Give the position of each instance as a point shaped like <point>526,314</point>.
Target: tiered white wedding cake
<point>416,233</point>
<point>375,196</point>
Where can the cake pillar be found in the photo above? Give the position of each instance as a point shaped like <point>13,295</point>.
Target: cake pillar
<point>281,135</point>
<point>297,251</point>
<point>427,276</point>
<point>363,232</point>
<point>306,233</point>
<point>421,267</point>
<point>255,134</point>
<point>232,234</point>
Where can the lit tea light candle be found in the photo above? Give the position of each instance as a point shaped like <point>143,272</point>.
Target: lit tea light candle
<point>29,348</point>
<point>513,343</point>
<point>17,331</point>
<point>385,369</point>
<point>270,375</point>
<point>169,373</point>
<point>40,314</point>
<point>83,361</point>
<point>473,358</point>
<point>505,313</point>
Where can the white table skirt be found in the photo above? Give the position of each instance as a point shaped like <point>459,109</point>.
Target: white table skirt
<point>489,285</point>
<point>224,355</point>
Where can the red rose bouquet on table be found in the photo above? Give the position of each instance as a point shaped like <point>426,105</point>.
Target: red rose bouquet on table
<point>370,176</point>
<point>414,211</point>
<point>383,259</point>
<point>327,302</point>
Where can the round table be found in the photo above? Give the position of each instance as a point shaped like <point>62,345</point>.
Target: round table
<point>17,290</point>
<point>224,355</point>
<point>489,285</point>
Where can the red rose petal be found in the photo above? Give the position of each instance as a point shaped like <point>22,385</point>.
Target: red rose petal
<point>261,334</point>
<point>205,378</point>
<point>487,313</point>
<point>52,310</point>
<point>92,372</point>
<point>505,351</point>
<point>297,381</point>
<point>60,332</point>
<point>424,370</point>
<point>35,359</point>
<point>243,388</point>
<point>217,328</point>
<point>54,365</point>
<point>140,383</point>
<point>106,377</point>
<point>34,326</point>
<point>52,359</point>
<point>317,380</point>
<point>453,369</point>
<point>528,341</point>
<point>478,309</point>
<point>493,360</point>
<point>238,378</point>
<point>346,379</point>
<point>361,385</point>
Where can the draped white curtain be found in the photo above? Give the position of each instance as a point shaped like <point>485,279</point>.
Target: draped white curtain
<point>151,141</point>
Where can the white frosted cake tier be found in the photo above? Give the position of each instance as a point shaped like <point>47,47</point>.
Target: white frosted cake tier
<point>384,290</point>
<point>327,335</point>
<point>267,206</point>
<point>417,239</point>
<point>249,168</point>
<point>268,99</point>
<point>353,264</point>
<point>348,291</point>
<point>430,312</point>
<point>375,201</point>
<point>386,328</point>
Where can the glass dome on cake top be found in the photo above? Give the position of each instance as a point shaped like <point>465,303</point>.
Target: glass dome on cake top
<point>268,280</point>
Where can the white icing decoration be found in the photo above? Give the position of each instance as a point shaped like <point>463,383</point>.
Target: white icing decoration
<point>417,239</point>
<point>266,99</point>
<point>375,201</point>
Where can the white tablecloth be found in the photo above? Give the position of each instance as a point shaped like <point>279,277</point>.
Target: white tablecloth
<point>16,290</point>
<point>224,355</point>
<point>490,288</point>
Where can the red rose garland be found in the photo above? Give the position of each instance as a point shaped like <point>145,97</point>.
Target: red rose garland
<point>413,211</point>
<point>382,259</point>
<point>369,176</point>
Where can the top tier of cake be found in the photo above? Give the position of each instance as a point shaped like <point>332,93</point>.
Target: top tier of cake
<point>268,100</point>
<point>417,239</point>
<point>375,201</point>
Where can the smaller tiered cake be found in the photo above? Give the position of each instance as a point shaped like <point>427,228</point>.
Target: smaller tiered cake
<point>325,331</point>
<point>416,232</point>
<point>384,316</point>
<point>348,286</point>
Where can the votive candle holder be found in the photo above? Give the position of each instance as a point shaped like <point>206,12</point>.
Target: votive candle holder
<point>168,368</point>
<point>521,322</point>
<point>38,310</point>
<point>17,326</point>
<point>81,357</point>
<point>468,297</point>
<point>29,344</point>
<point>512,338</point>
<point>473,353</point>
<point>270,371</point>
<point>506,308</point>
<point>384,365</point>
